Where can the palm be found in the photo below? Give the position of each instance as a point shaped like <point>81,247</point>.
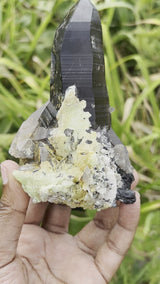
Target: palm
<point>45,257</point>
<point>50,255</point>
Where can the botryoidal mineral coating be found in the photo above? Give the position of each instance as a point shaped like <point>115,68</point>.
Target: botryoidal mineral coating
<point>75,164</point>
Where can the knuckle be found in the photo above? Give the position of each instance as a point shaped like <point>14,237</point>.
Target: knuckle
<point>113,247</point>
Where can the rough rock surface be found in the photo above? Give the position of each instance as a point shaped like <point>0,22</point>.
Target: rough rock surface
<point>74,164</point>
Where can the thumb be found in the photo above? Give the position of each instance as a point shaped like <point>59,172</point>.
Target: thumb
<point>13,205</point>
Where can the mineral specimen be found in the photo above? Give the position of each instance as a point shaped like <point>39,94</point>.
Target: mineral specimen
<point>68,152</point>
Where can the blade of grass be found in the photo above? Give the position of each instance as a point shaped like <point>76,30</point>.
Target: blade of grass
<point>42,27</point>
<point>116,87</point>
<point>115,4</point>
<point>150,206</point>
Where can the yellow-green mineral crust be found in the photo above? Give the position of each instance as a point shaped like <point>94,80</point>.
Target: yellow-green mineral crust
<point>75,165</point>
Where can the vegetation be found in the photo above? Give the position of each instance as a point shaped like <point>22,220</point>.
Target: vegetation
<point>131,33</point>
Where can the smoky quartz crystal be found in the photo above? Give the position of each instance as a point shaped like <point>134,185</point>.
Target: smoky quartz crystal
<point>68,151</point>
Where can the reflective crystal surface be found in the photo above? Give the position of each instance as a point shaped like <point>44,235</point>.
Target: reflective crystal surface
<point>77,59</point>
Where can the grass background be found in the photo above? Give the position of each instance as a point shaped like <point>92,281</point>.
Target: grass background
<point>131,33</point>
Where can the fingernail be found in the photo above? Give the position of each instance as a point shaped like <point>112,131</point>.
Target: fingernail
<point>4,174</point>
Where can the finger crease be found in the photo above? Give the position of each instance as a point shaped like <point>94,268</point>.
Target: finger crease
<point>55,228</point>
<point>112,246</point>
<point>84,247</point>
<point>124,228</point>
<point>99,224</point>
<point>4,207</point>
<point>100,271</point>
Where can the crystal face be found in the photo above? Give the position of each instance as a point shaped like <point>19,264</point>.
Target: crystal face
<point>68,151</point>
<point>77,59</point>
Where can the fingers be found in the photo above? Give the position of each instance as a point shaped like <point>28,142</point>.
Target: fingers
<point>112,252</point>
<point>13,206</point>
<point>136,179</point>
<point>35,212</point>
<point>94,234</point>
<point>56,219</point>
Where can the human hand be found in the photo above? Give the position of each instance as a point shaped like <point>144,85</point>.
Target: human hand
<point>30,254</point>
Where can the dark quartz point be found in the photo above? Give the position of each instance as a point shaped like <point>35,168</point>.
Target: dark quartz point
<point>48,116</point>
<point>77,59</point>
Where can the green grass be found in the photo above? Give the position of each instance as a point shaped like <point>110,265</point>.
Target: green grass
<point>131,33</point>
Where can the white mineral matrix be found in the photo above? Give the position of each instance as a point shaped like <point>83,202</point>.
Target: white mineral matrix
<point>80,164</point>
